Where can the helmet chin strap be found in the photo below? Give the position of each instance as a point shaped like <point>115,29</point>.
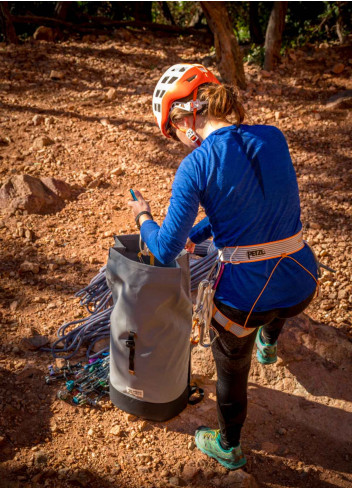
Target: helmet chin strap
<point>191,133</point>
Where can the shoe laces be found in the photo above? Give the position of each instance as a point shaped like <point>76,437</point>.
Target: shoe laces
<point>212,435</point>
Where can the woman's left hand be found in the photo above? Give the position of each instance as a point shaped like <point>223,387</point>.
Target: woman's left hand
<point>139,205</point>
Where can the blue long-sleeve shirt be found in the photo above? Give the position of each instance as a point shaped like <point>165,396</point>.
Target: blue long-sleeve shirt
<point>244,179</point>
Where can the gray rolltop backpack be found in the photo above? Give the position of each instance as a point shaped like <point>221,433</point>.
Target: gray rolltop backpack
<point>150,331</point>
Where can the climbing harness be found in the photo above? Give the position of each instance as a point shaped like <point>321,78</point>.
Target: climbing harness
<point>265,251</point>
<point>281,249</point>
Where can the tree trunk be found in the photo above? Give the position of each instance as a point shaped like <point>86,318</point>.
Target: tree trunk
<point>6,24</point>
<point>228,53</point>
<point>62,9</point>
<point>166,12</point>
<point>339,22</point>
<point>142,11</point>
<point>273,37</point>
<point>254,26</point>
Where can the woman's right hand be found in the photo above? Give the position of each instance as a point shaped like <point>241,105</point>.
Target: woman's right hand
<point>190,246</point>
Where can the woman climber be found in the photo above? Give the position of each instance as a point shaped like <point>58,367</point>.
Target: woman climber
<point>243,177</point>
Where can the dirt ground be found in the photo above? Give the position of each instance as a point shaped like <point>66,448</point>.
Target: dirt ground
<point>298,431</point>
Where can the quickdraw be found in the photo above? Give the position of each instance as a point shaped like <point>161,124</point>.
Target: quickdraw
<point>204,305</point>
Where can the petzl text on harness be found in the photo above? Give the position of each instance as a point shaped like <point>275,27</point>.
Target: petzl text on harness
<point>150,330</point>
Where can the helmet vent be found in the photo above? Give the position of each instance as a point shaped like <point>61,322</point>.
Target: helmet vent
<point>174,78</point>
<point>165,79</point>
<point>182,69</point>
<point>192,78</point>
<point>157,108</point>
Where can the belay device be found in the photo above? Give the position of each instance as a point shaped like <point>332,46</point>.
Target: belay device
<point>150,331</point>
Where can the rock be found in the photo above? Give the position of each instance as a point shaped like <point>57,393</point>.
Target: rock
<point>131,417</point>
<point>28,266</point>
<point>342,294</point>
<point>42,142</point>
<point>240,478</point>
<point>278,115</point>
<point>191,445</point>
<point>265,74</point>
<point>105,122</point>
<point>116,470</point>
<point>80,476</point>
<point>60,362</point>
<point>124,34</point>
<point>13,306</point>
<point>101,345</point>
<point>29,193</point>
<point>111,94</point>
<point>40,458</point>
<point>175,481</point>
<point>338,68</point>
<point>4,141</point>
<point>116,172</point>
<point>116,430</point>
<point>94,183</point>
<point>189,472</point>
<point>54,428</point>
<point>44,34</point>
<point>327,305</point>
<point>37,477</point>
<point>35,342</point>
<point>56,75</point>
<point>38,119</point>
<point>88,38</point>
<point>142,426</point>
<point>59,187</point>
<point>269,447</point>
<point>342,100</point>
<point>90,432</point>
<point>29,234</point>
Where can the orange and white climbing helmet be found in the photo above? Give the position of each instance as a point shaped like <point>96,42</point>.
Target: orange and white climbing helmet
<point>177,82</point>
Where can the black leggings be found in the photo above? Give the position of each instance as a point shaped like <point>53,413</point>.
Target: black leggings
<point>232,357</point>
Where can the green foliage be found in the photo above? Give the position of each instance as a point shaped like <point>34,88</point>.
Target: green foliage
<point>315,21</point>
<point>255,55</point>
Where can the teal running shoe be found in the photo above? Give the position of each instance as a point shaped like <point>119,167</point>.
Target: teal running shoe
<point>208,442</point>
<point>266,353</point>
